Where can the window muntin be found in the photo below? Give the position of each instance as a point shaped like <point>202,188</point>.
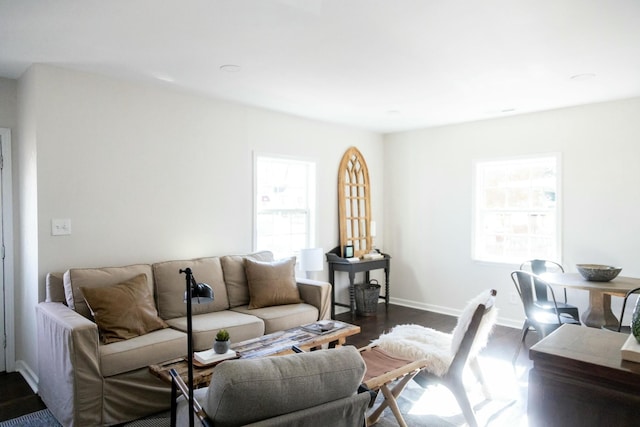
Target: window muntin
<point>516,209</point>
<point>285,204</point>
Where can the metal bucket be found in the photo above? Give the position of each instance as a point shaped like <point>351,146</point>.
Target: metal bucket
<point>367,296</point>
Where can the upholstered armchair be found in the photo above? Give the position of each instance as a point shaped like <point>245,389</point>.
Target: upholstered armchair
<point>318,388</point>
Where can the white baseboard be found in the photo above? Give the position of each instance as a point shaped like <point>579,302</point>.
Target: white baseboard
<point>27,373</point>
<point>510,323</point>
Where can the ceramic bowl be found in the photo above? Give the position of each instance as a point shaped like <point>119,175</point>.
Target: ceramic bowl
<point>326,326</point>
<point>598,272</point>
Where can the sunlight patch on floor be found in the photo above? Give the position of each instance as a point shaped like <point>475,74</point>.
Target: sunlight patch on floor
<point>506,386</point>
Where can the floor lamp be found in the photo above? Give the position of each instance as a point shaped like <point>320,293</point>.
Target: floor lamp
<point>196,293</point>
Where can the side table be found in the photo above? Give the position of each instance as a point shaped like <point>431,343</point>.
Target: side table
<point>337,263</point>
<point>580,379</point>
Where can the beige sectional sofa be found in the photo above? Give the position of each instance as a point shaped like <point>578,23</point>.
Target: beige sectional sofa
<point>85,382</point>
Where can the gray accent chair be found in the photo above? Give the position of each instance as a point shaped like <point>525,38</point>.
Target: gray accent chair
<point>318,388</point>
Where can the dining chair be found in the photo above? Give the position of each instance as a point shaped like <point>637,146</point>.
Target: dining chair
<point>619,328</point>
<point>543,320</point>
<point>541,266</point>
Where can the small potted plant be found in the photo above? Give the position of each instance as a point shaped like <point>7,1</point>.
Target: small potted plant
<point>222,342</point>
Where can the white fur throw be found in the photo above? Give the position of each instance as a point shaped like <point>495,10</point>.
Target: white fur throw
<point>417,342</point>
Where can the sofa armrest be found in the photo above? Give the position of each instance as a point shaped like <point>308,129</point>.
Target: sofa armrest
<point>318,294</point>
<point>69,377</point>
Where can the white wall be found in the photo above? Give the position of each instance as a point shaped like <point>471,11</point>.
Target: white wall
<point>147,173</point>
<point>428,200</point>
<point>27,291</point>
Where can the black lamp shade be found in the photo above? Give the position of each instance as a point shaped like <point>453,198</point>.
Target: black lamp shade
<point>201,293</point>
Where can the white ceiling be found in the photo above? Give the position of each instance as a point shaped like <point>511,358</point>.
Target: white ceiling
<point>383,65</point>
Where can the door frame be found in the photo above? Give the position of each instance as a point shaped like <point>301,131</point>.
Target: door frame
<point>7,242</point>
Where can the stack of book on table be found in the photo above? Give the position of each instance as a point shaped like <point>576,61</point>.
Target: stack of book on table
<point>207,357</point>
<point>631,349</point>
<point>323,326</point>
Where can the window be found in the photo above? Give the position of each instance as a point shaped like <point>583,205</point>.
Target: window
<point>516,209</point>
<point>285,204</point>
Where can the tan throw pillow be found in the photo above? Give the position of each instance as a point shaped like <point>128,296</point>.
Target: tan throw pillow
<point>235,277</point>
<point>272,283</point>
<point>123,311</point>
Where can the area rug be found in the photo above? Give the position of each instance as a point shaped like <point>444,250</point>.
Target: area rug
<point>44,418</point>
<point>416,404</point>
<point>436,406</point>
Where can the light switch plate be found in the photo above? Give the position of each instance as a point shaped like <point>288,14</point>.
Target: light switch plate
<point>60,227</point>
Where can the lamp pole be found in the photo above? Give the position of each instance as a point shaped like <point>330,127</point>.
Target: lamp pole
<point>189,284</point>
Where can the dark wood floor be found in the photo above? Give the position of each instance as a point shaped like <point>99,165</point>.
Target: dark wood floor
<point>502,343</point>
<point>17,398</point>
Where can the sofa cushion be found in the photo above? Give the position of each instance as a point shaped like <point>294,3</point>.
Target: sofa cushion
<point>205,326</point>
<point>171,286</point>
<point>76,278</point>
<point>272,283</point>
<point>54,283</point>
<point>281,317</point>
<point>140,352</point>
<point>123,311</point>
<point>247,390</point>
<point>235,277</point>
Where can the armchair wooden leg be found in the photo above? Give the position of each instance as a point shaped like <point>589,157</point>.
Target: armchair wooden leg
<point>457,387</point>
<point>390,400</point>
<point>477,372</point>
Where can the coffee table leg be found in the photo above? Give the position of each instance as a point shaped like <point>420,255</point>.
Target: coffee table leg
<point>337,343</point>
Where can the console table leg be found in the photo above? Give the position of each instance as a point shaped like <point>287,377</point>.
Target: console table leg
<point>386,287</point>
<point>352,293</point>
<point>333,291</point>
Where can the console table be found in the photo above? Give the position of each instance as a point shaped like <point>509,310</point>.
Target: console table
<point>579,379</point>
<point>337,263</point>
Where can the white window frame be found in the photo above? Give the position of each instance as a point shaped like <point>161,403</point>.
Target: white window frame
<point>310,237</point>
<point>477,253</point>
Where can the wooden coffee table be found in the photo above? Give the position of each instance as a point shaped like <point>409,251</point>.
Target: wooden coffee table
<point>275,344</point>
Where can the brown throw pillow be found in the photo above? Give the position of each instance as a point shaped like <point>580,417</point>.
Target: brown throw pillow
<point>272,283</point>
<point>123,311</point>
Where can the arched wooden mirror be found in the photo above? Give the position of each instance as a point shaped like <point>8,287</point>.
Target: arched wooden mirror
<point>354,203</point>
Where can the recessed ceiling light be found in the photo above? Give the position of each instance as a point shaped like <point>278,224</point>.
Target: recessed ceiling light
<point>582,77</point>
<point>393,111</point>
<point>507,110</point>
<point>230,68</point>
<point>164,78</point>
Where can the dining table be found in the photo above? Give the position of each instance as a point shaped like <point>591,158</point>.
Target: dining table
<point>598,313</point>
